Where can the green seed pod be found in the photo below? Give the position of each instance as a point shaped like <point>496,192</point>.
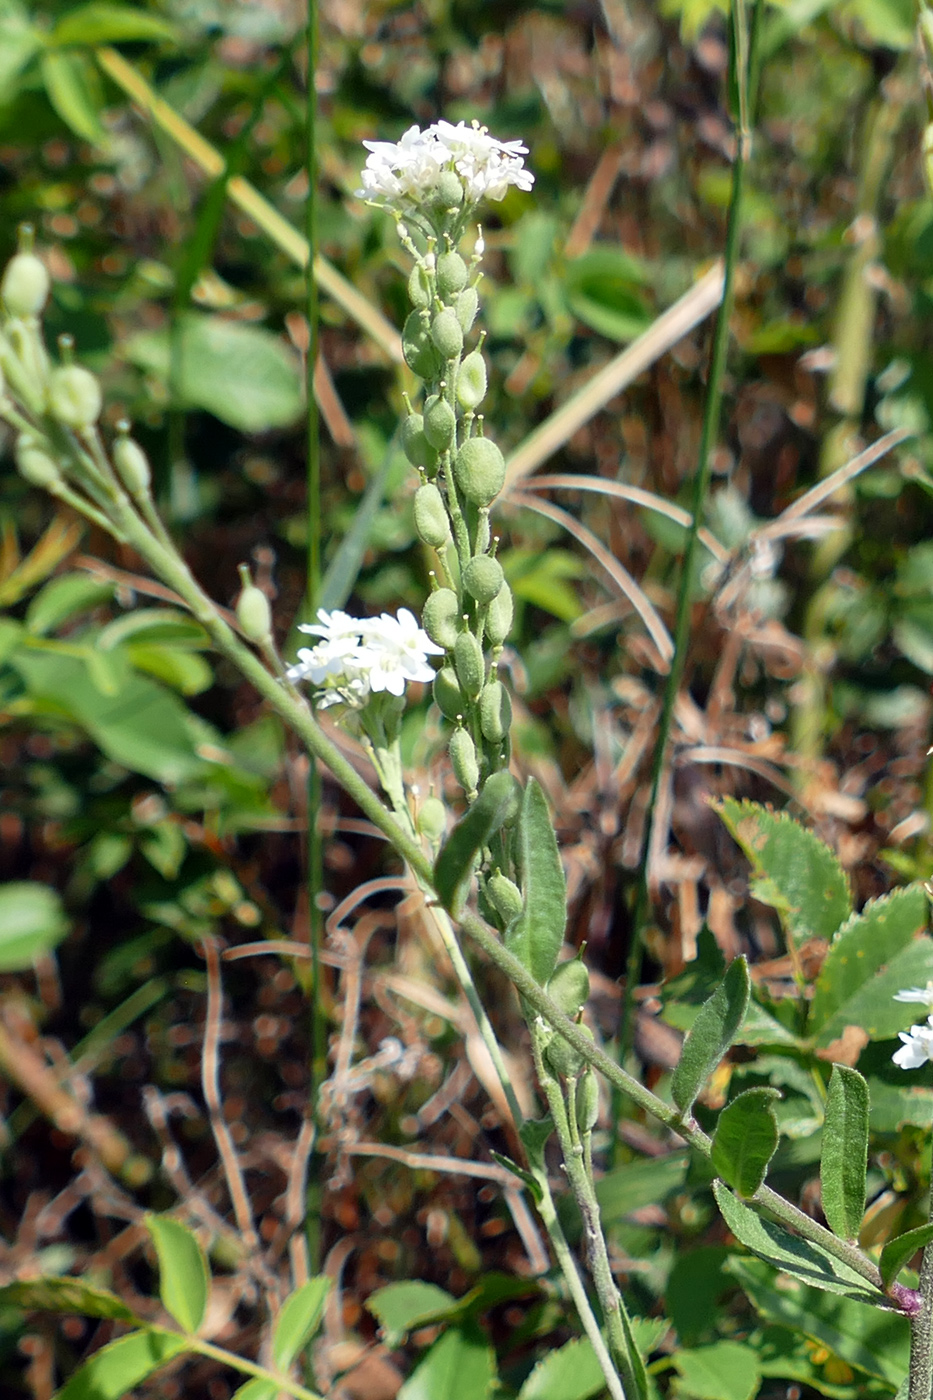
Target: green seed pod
<point>587,1100</point>
<point>74,397</point>
<point>448,697</point>
<point>431,516</point>
<point>499,617</point>
<point>418,348</point>
<point>35,465</point>
<point>569,987</point>
<point>415,445</point>
<point>462,752</point>
<point>441,618</point>
<point>505,897</point>
<point>448,192</point>
<point>564,1058</point>
<point>440,422</point>
<point>254,614</point>
<point>420,291</point>
<point>495,712</point>
<point>483,578</point>
<point>25,285</point>
<point>432,818</point>
<point>132,465</point>
<point>451,275</point>
<point>466,307</point>
<point>447,335</point>
<point>479,470</point>
<point>471,381</point>
<point>470,664</point>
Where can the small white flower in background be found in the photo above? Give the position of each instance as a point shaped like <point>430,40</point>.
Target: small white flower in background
<point>917,1047</point>
<point>399,649</point>
<point>405,172</point>
<point>922,994</point>
<point>357,657</point>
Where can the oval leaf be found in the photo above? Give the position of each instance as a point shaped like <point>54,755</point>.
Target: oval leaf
<point>460,1366</point>
<point>32,920</point>
<point>536,935</point>
<point>399,1307</point>
<point>570,1372</point>
<point>113,1371</point>
<point>64,1294</point>
<point>714,1030</point>
<point>844,1159</point>
<point>108,24</point>
<point>73,89</point>
<point>299,1320</point>
<point>745,1140</point>
<point>64,597</point>
<point>453,870</point>
<point>155,626</point>
<point>900,1251</point>
<point>184,1278</point>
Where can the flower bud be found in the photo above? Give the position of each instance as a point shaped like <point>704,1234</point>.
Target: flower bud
<point>132,465</point>
<point>418,348</point>
<point>441,617</point>
<point>447,334</point>
<point>466,308</point>
<point>564,1058</point>
<point>499,617</point>
<point>569,987</point>
<point>586,1103</point>
<point>495,712</point>
<point>451,275</point>
<point>254,614</point>
<point>470,664</point>
<point>25,285</point>
<point>440,422</point>
<point>420,291</point>
<point>479,470</point>
<point>448,192</point>
<point>471,381</point>
<point>74,397</point>
<point>34,464</point>
<point>448,697</point>
<point>431,516</point>
<point>462,752</point>
<point>505,897</point>
<point>483,578</point>
<point>432,818</point>
<point>415,445</point>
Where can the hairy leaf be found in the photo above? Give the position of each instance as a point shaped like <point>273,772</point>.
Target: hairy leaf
<point>537,934</point>
<point>745,1140</point>
<point>184,1277</point>
<point>713,1032</point>
<point>453,870</point>
<point>844,1159</point>
<point>900,1251</point>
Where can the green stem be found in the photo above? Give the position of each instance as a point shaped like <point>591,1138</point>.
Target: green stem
<point>248,1368</point>
<point>920,1375</point>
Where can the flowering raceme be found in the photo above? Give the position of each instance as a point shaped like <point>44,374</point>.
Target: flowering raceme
<point>403,174</point>
<point>357,657</point>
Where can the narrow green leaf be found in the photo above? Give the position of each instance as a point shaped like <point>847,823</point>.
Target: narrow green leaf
<point>184,1277</point>
<point>112,1372</point>
<point>536,935</point>
<point>155,627</point>
<point>723,1371</point>
<point>570,1372</point>
<point>844,1159</point>
<point>793,870</point>
<point>401,1306</point>
<point>899,1251</point>
<point>745,1140</point>
<point>713,1031</point>
<point>460,1366</point>
<point>64,597</point>
<point>299,1320</point>
<point>453,870</point>
<point>61,1293</point>
<point>32,921</point>
<point>73,88</point>
<point>102,23</point>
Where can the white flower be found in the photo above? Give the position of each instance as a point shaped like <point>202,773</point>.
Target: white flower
<point>403,174</point>
<point>358,656</point>
<point>917,1047</point>
<point>399,649</point>
<point>922,994</point>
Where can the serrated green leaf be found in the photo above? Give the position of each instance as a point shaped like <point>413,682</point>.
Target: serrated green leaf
<point>794,872</point>
<point>570,1372</point>
<point>800,1258</point>
<point>844,1159</point>
<point>184,1277</point>
<point>745,1140</point>
<point>74,90</point>
<point>64,597</point>
<point>900,1251</point>
<point>399,1307</point>
<point>723,1371</point>
<point>713,1031</point>
<point>32,921</point>
<point>298,1320</point>
<point>92,24</point>
<point>535,937</point>
<point>461,1365</point>
<point>453,869</point>
<point>863,945</point>
<point>112,1372</point>
<point>60,1293</point>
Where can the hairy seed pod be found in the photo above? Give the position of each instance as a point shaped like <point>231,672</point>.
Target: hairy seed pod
<point>431,516</point>
<point>467,305</point>
<point>420,291</point>
<point>499,617</point>
<point>564,1058</point>
<point>440,618</point>
<point>479,470</point>
<point>448,697</point>
<point>132,465</point>
<point>254,614</point>
<point>440,422</point>
<point>432,818</point>
<point>34,464</point>
<point>483,578</point>
<point>586,1101</point>
<point>415,445</point>
<point>569,987</point>
<point>448,192</point>
<point>505,897</point>
<point>25,285</point>
<point>471,381</point>
<point>462,752</point>
<point>418,348</point>
<point>447,334</point>
<point>451,275</point>
<point>470,664</point>
<point>75,399</point>
<point>495,712</point>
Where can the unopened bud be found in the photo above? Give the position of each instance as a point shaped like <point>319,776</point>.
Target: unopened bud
<point>569,987</point>
<point>495,712</point>
<point>432,818</point>
<point>505,897</point>
<point>463,760</point>
<point>451,275</point>
<point>253,612</point>
<point>440,618</point>
<point>479,470</point>
<point>440,422</point>
<point>447,334</point>
<point>132,465</point>
<point>470,664</point>
<point>483,578</point>
<point>499,617</point>
<point>587,1100</point>
<point>25,285</point>
<point>448,697</point>
<point>34,464</point>
<point>75,398</point>
<point>431,516</point>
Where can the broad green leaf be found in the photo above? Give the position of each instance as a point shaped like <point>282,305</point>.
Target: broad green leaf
<point>184,1277</point>
<point>92,24</point>
<point>603,289</point>
<point>861,947</point>
<point>113,1371</point>
<point>536,935</point>
<point>636,1184</point>
<point>11,635</point>
<point>155,627</point>
<point>32,921</point>
<point>888,23</point>
<point>872,1007</point>
<point>723,1371</point>
<point>792,870</point>
<point>792,1255</point>
<point>844,1159</point>
<point>60,1293</point>
<point>244,375</point>
<point>74,90</point>
<point>298,1320</point>
<point>695,1288</point>
<point>761,1028</point>
<point>63,598</point>
<point>399,1307</point>
<point>900,1251</point>
<point>453,870</point>
<point>570,1372</point>
<point>461,1365</point>
<point>19,41</point>
<point>184,671</point>
<point>745,1140</point>
<point>892,1106</point>
<point>713,1031</point>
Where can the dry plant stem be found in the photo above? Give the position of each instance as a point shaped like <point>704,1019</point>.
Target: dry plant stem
<point>920,1375</point>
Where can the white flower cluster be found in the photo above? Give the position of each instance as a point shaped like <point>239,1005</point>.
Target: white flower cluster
<point>404,173</point>
<point>918,1041</point>
<point>357,657</point>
